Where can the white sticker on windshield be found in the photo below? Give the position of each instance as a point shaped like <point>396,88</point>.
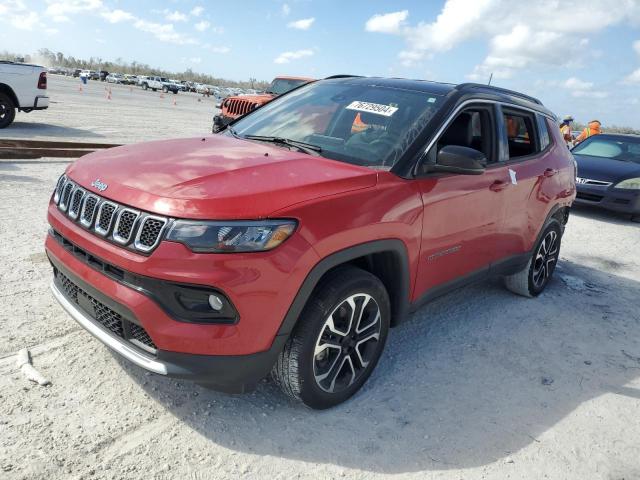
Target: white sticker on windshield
<point>378,109</point>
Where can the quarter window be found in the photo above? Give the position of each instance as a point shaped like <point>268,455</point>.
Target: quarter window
<point>520,133</point>
<point>544,132</point>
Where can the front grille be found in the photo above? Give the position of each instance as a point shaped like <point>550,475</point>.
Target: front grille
<point>105,217</point>
<point>237,106</point>
<point>88,210</point>
<point>66,195</point>
<point>149,233</point>
<point>140,334</point>
<point>117,223</point>
<point>124,226</point>
<point>103,315</point>
<point>76,203</point>
<point>589,197</point>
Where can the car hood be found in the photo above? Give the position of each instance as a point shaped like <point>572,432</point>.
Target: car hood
<point>605,169</point>
<point>264,98</point>
<point>215,177</point>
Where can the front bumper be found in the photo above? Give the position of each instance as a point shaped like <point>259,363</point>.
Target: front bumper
<point>231,373</point>
<point>609,198</point>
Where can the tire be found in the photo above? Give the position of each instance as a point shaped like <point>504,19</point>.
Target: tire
<point>7,110</point>
<point>165,90</point>
<point>145,86</point>
<point>532,280</point>
<point>324,377</point>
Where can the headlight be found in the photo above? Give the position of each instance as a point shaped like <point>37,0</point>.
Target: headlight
<point>630,184</point>
<point>231,237</point>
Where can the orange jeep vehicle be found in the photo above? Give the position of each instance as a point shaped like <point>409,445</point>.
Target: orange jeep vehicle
<point>237,106</point>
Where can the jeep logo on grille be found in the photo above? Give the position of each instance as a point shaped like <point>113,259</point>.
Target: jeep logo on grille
<point>581,181</point>
<point>99,185</point>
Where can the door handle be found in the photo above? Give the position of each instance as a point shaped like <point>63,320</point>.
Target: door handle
<point>550,172</point>
<point>498,186</point>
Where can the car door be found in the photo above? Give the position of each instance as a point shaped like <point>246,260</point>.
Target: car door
<point>528,179</point>
<point>462,213</point>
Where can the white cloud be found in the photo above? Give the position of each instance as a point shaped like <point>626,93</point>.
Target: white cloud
<point>302,24</point>
<point>633,77</point>
<point>175,16</point>
<point>196,60</point>
<point>286,9</point>
<point>547,32</point>
<point>63,8</point>
<point>576,83</point>
<point>286,57</point>
<point>197,11</point>
<point>202,26</point>
<point>25,21</point>
<point>117,16</point>
<point>387,23</point>
<point>579,88</point>
<point>163,32</point>
<point>51,31</point>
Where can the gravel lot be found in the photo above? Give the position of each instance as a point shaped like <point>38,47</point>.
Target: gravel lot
<point>478,384</point>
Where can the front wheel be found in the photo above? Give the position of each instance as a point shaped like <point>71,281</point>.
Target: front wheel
<point>145,86</point>
<point>7,110</point>
<point>532,280</point>
<point>337,341</point>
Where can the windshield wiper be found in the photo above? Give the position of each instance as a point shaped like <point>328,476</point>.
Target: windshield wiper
<point>302,146</point>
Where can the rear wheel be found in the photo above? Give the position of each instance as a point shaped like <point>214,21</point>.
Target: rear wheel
<point>7,110</point>
<point>165,89</point>
<point>337,341</point>
<point>533,279</point>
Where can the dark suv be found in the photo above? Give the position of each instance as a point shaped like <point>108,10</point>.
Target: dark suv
<point>291,242</point>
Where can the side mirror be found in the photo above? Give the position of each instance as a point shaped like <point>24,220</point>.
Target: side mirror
<point>461,160</point>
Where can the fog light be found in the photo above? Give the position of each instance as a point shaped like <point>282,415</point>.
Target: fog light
<point>215,302</point>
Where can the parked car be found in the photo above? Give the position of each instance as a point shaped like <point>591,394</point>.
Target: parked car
<point>141,79</point>
<point>115,78</point>
<point>235,106</point>
<point>339,208</point>
<point>23,87</point>
<point>103,75</point>
<point>129,79</point>
<point>609,173</point>
<point>160,83</point>
<point>76,72</point>
<point>93,75</point>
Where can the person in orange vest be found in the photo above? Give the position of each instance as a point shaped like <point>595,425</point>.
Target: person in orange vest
<point>565,129</point>
<point>593,128</point>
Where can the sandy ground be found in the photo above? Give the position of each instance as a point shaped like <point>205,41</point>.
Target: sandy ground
<point>132,115</point>
<point>478,384</point>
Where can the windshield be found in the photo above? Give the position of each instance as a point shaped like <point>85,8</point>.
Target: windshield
<point>361,124</point>
<point>283,85</point>
<point>616,148</point>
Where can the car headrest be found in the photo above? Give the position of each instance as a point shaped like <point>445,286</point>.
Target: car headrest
<point>460,131</point>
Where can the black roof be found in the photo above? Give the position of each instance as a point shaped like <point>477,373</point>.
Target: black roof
<point>440,88</point>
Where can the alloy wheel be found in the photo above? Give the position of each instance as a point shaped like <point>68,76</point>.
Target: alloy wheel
<point>545,259</point>
<point>347,343</point>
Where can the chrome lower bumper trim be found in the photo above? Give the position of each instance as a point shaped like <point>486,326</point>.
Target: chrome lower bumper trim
<point>109,340</point>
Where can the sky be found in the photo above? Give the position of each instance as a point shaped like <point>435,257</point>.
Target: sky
<point>579,57</point>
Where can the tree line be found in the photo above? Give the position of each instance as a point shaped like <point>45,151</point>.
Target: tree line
<point>49,58</point>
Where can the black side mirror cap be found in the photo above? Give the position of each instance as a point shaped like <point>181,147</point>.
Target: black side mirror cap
<point>461,160</point>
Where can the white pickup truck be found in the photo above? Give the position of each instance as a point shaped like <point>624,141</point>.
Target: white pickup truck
<point>23,87</point>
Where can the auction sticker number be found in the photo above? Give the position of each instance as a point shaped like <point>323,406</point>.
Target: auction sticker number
<point>378,109</point>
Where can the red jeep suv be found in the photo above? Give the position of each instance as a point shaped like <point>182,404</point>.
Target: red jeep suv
<point>294,239</point>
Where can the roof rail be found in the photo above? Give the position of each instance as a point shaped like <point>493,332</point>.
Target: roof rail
<point>491,88</point>
<point>343,75</point>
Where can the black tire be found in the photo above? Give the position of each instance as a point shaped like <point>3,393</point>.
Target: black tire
<point>145,86</point>
<point>165,89</point>
<point>322,378</point>
<point>7,110</point>
<point>532,280</point>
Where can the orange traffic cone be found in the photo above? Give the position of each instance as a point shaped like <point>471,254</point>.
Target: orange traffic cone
<point>80,88</point>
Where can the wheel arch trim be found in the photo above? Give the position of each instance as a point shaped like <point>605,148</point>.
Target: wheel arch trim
<point>400,295</point>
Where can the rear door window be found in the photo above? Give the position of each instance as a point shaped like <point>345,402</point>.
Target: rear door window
<point>521,132</point>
